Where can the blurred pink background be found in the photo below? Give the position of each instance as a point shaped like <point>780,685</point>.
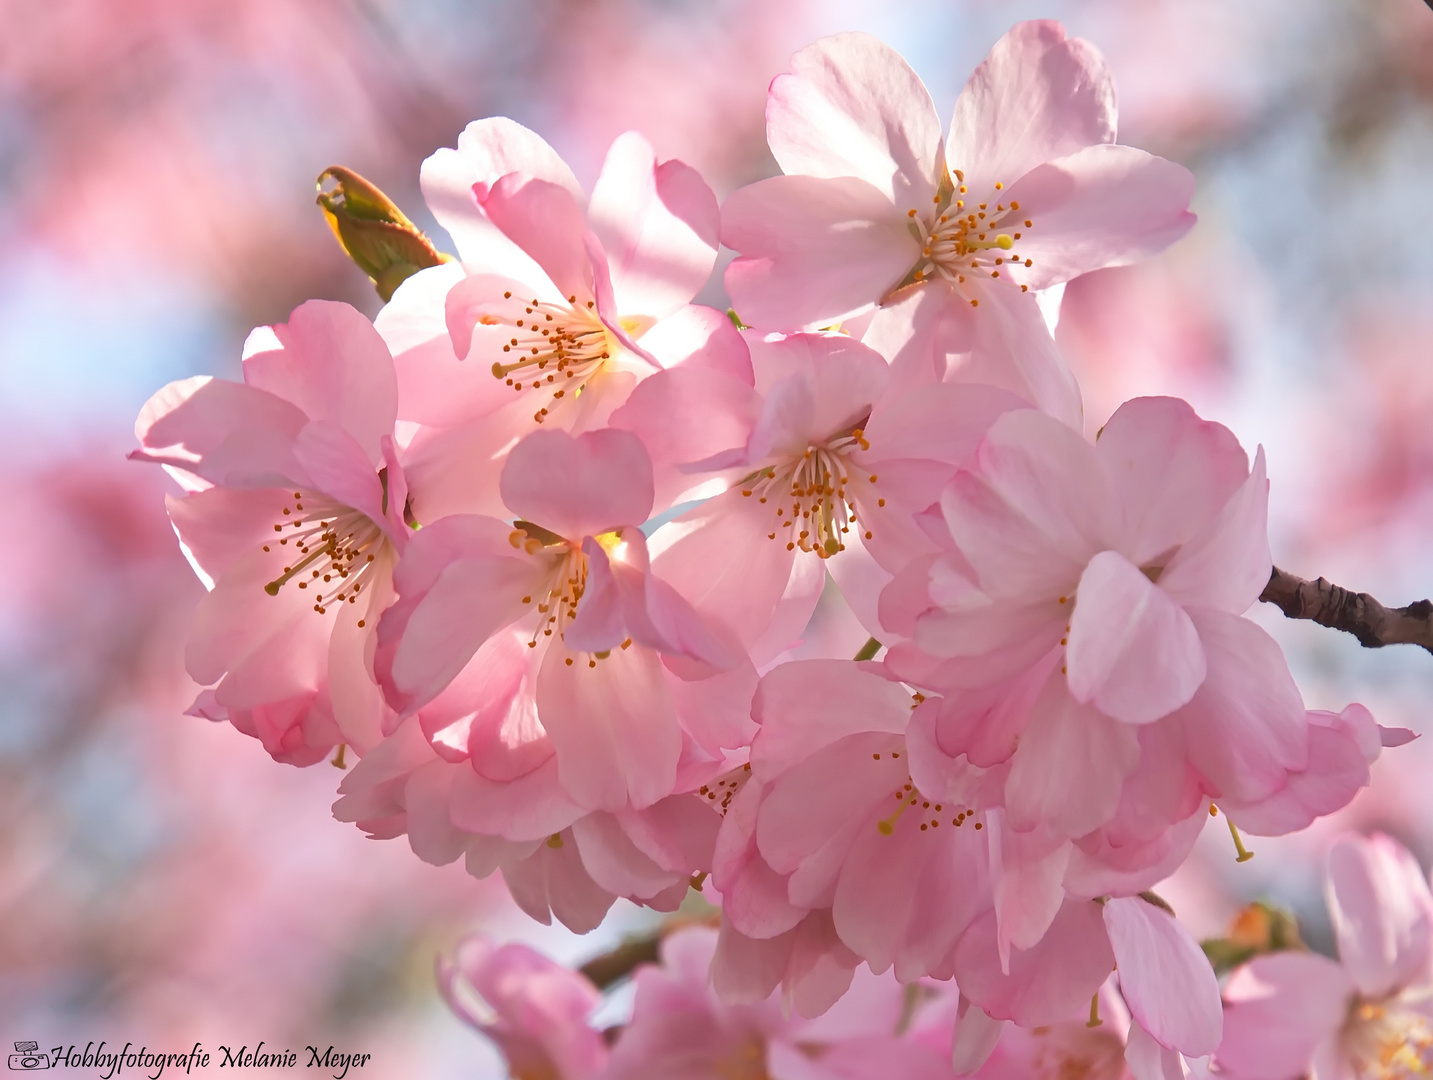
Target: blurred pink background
<point>162,881</point>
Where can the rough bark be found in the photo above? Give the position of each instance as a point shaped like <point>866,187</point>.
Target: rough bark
<point>1354,613</point>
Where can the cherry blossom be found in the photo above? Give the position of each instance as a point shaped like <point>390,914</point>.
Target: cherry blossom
<point>1028,190</point>
<point>680,1028</point>
<point>1090,610</point>
<point>827,459</point>
<point>575,633</point>
<point>560,306</point>
<point>294,519</point>
<point>1366,1014</point>
<point>537,1011</point>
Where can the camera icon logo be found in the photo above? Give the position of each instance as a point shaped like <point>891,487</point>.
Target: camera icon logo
<point>28,1056</point>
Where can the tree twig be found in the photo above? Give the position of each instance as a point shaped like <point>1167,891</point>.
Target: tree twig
<point>1354,613</point>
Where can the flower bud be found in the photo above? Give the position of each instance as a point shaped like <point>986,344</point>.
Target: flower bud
<point>373,231</point>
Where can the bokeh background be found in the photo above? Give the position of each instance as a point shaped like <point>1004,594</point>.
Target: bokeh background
<point>161,880</point>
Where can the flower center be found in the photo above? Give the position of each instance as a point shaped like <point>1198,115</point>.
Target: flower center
<point>961,238</point>
<point>552,345</point>
<point>1078,1055</point>
<point>929,813</point>
<point>813,508</point>
<point>1388,1042</point>
<point>335,548</point>
<point>568,581</point>
<point>724,788</point>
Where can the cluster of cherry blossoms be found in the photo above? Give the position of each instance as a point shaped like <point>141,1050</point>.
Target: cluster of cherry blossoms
<point>1287,1013</point>
<point>542,544</point>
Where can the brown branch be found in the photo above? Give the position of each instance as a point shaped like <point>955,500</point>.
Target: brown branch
<point>1354,613</point>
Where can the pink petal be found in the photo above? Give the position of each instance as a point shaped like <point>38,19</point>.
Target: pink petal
<point>1129,868</point>
<point>431,834</point>
<point>754,896</point>
<point>715,710</point>
<point>1174,472</point>
<point>337,467</point>
<point>702,337</point>
<point>1045,984</point>
<point>1037,96</point>
<point>614,862</point>
<point>815,386</point>
<point>1165,977</point>
<point>975,1037</point>
<point>813,251</point>
<point>1037,509</point>
<point>537,1010</point>
<point>487,150</point>
<point>1245,728</point>
<point>1027,869</point>
<point>1277,1010</point>
<point>354,694</point>
<point>1133,652</point>
<point>434,387</point>
<point>613,726</point>
<point>545,221</point>
<point>460,581</point>
<point>1072,760</point>
<point>809,704</point>
<point>678,833</point>
<point>529,807</point>
<point>1013,348</point>
<point>553,879</point>
<point>1148,1060</point>
<point>457,470</point>
<point>746,970</point>
<point>687,414</point>
<point>905,899</point>
<point>1337,771</point>
<point>579,486</point>
<point>719,557</point>
<point>226,433</point>
<point>330,362</point>
<point>794,611</point>
<point>1382,913</point>
<point>488,715</point>
<point>918,329</point>
<point>658,225</point>
<point>851,106</point>
<point>944,422</point>
<point>1101,206</point>
<point>1226,565</point>
<point>806,822</point>
<point>271,647</point>
<point>220,525</point>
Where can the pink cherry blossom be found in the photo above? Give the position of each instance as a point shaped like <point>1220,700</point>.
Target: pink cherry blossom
<point>576,634</point>
<point>681,1029</point>
<point>1294,1013</point>
<point>294,518</point>
<point>1028,191</point>
<point>558,860</point>
<point>560,307</point>
<point>826,460</point>
<point>537,1011</point>
<point>1090,611</point>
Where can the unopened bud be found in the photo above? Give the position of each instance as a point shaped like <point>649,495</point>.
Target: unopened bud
<point>373,231</point>
<point>1257,929</point>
